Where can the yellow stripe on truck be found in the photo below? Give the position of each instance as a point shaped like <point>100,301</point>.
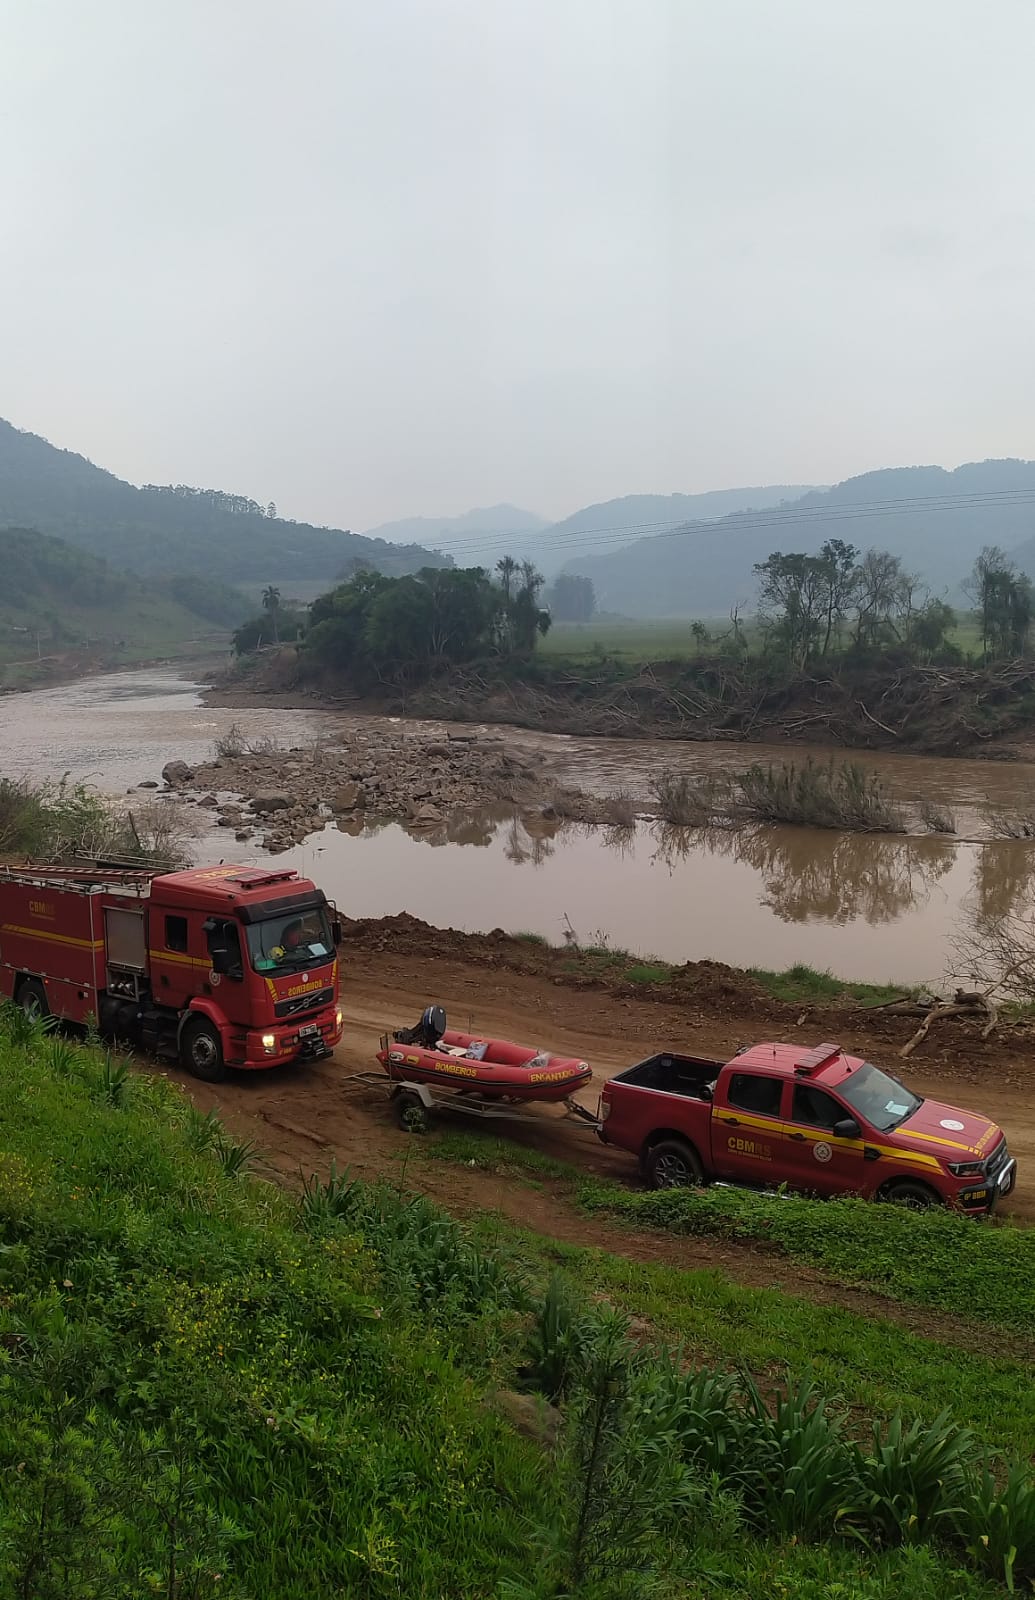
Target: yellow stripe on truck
<point>53,938</point>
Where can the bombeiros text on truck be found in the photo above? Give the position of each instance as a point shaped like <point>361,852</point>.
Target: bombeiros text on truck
<point>218,967</point>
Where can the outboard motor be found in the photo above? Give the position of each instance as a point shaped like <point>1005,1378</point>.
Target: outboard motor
<point>428,1031</point>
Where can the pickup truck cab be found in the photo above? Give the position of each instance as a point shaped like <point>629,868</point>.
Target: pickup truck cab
<point>819,1121</point>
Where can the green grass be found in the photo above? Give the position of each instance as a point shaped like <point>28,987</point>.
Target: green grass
<point>801,984</point>
<point>211,1386</point>
<point>312,1401</point>
<point>977,1271</point>
<point>876,1367</point>
<point>648,972</point>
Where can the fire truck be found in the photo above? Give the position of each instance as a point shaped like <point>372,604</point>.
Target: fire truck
<point>216,967</point>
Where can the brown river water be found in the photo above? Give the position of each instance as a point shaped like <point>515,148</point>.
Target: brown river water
<point>871,907</point>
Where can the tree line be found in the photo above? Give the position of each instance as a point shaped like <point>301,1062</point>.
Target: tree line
<point>375,628</point>
<point>814,606</point>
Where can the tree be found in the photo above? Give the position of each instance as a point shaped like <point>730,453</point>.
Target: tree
<point>507,567</point>
<point>839,575</point>
<point>525,616</point>
<point>571,598</point>
<point>792,602</point>
<point>1003,598</point>
<point>271,603</point>
<point>882,593</point>
<point>700,634</point>
<point>271,509</point>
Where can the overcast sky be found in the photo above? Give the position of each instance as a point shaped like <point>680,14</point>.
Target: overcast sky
<point>373,258</point>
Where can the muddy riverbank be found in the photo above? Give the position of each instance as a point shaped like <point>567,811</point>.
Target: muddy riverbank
<point>984,711</point>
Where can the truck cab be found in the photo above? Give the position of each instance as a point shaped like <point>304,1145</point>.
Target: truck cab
<point>253,953</point>
<point>820,1121</point>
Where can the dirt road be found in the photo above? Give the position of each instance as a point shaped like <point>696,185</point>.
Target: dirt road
<point>307,1117</point>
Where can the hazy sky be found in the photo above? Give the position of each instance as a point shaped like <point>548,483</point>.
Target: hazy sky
<point>379,257</point>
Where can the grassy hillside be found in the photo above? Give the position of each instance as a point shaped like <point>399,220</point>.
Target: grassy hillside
<point>59,604</point>
<point>213,1386</point>
<point>160,528</point>
<point>937,521</point>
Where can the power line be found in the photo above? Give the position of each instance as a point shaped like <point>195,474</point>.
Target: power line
<point>746,522</point>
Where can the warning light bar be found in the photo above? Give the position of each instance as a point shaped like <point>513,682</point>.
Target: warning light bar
<point>821,1056</point>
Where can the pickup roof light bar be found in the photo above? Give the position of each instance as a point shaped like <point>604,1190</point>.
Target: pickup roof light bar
<point>821,1056</point>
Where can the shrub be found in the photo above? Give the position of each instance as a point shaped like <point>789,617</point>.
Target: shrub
<point>837,795</point>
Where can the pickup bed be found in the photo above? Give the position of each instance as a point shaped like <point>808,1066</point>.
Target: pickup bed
<point>819,1121</point>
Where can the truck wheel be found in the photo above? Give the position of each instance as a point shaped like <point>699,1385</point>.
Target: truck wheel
<point>32,997</point>
<point>672,1164</point>
<point>411,1113</point>
<point>201,1051</point>
<point>915,1195</point>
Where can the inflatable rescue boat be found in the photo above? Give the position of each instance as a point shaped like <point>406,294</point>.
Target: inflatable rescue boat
<point>432,1053</point>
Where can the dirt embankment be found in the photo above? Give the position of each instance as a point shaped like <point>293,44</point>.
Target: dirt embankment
<point>896,705</point>
<point>278,797</point>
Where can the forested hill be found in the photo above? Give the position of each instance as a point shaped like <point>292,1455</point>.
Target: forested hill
<point>936,520</point>
<point>159,529</point>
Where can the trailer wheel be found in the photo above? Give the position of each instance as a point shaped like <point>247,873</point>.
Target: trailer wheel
<point>917,1196</point>
<point>673,1164</point>
<point>411,1113</point>
<point>201,1051</point>
<point>32,997</point>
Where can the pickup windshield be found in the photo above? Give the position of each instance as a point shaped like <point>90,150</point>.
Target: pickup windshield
<point>299,939</point>
<point>880,1099</point>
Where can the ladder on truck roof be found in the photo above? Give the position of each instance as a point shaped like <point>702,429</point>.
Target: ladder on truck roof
<point>91,879</point>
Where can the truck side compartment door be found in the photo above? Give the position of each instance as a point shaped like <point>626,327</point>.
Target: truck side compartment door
<point>747,1129</point>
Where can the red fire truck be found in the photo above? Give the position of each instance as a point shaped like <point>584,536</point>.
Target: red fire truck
<point>217,967</point>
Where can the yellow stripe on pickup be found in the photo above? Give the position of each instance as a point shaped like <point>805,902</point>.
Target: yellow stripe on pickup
<point>778,1129</point>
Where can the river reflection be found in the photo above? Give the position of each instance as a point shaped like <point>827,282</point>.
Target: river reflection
<point>801,875</point>
<point>808,874</point>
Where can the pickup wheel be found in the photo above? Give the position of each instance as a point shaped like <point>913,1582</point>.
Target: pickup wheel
<point>673,1164</point>
<point>917,1196</point>
<point>201,1051</point>
<point>32,997</point>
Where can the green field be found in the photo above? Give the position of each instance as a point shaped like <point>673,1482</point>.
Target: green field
<point>671,639</point>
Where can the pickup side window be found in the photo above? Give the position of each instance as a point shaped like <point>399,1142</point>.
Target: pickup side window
<point>815,1107</point>
<point>749,1091</point>
<point>176,933</point>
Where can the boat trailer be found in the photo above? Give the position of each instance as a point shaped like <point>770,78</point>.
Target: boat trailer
<point>417,1104</point>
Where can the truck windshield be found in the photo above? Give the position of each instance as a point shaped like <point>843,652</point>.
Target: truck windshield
<point>298,939</point>
<point>880,1099</point>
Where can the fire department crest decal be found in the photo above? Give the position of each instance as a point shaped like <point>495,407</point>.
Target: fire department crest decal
<point>822,1151</point>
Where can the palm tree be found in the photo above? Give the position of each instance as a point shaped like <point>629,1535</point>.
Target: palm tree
<point>506,567</point>
<point>271,603</point>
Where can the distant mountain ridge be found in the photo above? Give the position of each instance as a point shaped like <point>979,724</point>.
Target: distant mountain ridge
<point>936,519</point>
<point>175,528</point>
<point>481,537</point>
<point>502,520</point>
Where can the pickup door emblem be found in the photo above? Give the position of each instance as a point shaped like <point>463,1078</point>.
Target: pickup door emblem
<point>822,1151</point>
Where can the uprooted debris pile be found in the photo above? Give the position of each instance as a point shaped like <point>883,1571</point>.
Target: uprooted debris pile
<point>282,796</point>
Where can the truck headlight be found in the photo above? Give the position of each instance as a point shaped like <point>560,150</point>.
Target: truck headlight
<point>269,1043</point>
<point>338,1018</point>
<point>966,1169</point>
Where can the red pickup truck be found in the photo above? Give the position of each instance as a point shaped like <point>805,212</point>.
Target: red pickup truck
<point>819,1121</point>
